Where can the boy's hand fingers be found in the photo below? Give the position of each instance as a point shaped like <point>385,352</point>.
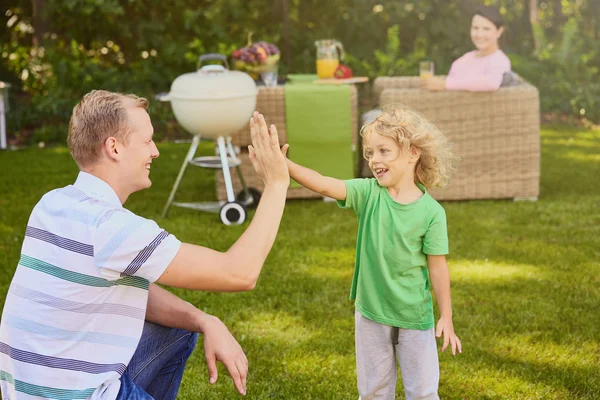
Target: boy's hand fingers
<point>438,330</point>
<point>446,342</point>
<point>284,149</point>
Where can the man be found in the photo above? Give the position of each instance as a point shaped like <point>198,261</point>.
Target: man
<point>83,318</point>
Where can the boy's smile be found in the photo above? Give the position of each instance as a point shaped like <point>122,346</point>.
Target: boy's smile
<point>389,163</point>
<point>380,172</point>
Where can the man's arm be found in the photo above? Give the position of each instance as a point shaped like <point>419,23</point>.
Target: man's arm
<point>200,268</point>
<point>164,308</point>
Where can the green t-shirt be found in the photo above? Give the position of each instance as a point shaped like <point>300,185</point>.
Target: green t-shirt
<point>391,280</point>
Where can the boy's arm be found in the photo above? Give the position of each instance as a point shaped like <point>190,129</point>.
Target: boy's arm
<point>440,281</point>
<point>325,185</point>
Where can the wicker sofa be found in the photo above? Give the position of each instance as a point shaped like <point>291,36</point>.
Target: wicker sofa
<point>496,135</point>
<point>271,103</point>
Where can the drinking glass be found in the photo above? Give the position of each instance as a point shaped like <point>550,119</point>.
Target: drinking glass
<point>426,69</point>
<point>270,75</point>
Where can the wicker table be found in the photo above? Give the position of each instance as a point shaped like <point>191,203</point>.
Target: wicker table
<point>271,103</point>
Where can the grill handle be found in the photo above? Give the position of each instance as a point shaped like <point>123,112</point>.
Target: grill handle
<point>164,96</point>
<point>212,57</point>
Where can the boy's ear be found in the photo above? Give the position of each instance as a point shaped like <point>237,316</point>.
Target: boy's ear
<point>415,153</point>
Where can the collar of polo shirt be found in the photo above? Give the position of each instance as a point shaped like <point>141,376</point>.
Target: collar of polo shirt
<point>97,188</point>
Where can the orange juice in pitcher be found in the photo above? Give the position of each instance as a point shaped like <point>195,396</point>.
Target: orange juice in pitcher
<point>329,54</point>
<point>326,67</point>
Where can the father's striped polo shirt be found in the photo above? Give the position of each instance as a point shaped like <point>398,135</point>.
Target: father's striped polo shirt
<point>75,309</point>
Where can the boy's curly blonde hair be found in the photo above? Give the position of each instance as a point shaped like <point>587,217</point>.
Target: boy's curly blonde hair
<point>411,129</point>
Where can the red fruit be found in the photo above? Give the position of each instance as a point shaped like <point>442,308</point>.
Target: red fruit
<point>343,72</point>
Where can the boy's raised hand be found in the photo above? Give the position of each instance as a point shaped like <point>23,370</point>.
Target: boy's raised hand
<point>267,158</point>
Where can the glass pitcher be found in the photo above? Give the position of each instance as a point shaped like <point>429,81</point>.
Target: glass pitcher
<point>329,54</point>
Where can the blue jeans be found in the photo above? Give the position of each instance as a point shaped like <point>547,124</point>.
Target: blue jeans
<point>156,368</point>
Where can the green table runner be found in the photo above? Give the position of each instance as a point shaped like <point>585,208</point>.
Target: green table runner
<point>319,126</point>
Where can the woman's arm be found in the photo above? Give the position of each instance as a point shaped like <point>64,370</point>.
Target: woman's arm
<point>438,84</point>
<point>463,76</point>
<point>487,82</point>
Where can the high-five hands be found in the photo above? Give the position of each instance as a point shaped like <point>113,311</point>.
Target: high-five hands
<point>266,155</point>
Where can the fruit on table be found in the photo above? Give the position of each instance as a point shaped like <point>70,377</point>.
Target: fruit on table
<point>257,53</point>
<point>343,72</point>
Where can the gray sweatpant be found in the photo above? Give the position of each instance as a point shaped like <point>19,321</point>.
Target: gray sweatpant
<point>377,347</point>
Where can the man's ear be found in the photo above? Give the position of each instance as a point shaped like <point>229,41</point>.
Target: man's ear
<point>112,148</point>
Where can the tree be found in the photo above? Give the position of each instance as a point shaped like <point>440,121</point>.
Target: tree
<point>534,21</point>
<point>40,23</point>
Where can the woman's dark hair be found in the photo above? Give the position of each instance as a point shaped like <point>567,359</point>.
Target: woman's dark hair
<point>491,13</point>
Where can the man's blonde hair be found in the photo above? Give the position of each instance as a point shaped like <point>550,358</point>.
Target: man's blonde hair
<point>411,129</point>
<point>98,116</point>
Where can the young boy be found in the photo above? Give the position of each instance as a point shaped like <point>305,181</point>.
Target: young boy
<point>400,252</point>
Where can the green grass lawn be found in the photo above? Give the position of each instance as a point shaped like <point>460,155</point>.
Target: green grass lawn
<point>525,279</point>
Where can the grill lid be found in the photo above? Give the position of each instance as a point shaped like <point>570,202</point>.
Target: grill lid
<point>211,82</point>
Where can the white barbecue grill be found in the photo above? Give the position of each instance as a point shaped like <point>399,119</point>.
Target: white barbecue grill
<point>213,103</point>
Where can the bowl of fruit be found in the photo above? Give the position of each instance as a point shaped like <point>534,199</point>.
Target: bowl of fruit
<point>256,58</point>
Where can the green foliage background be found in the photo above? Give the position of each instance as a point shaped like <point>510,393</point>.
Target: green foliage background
<point>65,48</point>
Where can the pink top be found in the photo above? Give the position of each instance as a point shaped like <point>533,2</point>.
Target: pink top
<point>478,74</point>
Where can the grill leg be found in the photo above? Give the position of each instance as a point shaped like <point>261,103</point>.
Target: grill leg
<point>225,167</point>
<point>188,158</point>
<point>238,168</point>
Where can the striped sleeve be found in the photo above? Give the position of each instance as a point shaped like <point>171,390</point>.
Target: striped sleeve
<point>126,244</point>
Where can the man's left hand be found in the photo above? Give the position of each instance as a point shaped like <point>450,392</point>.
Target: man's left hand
<point>220,345</point>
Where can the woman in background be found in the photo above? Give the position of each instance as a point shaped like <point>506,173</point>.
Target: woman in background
<point>480,70</point>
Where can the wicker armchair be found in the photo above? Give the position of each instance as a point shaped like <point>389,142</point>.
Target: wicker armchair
<point>496,135</point>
